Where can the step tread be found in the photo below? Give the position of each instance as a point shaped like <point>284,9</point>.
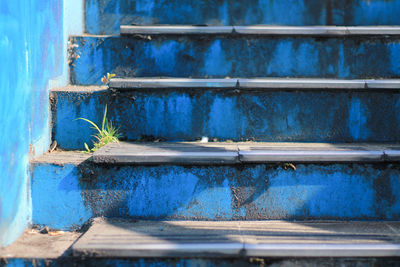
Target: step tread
<point>62,158</point>
<point>125,238</point>
<point>261,30</point>
<point>255,83</point>
<point>234,153</point>
<point>182,153</point>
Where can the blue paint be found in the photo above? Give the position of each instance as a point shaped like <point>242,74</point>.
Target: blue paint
<point>164,56</point>
<point>276,116</point>
<point>211,201</point>
<point>105,17</point>
<point>357,120</point>
<point>215,62</point>
<point>74,25</point>
<point>31,41</point>
<point>240,56</point>
<point>54,196</point>
<point>69,116</point>
<point>249,192</point>
<point>223,117</point>
<point>92,8</point>
<point>374,12</point>
<point>331,196</point>
<point>180,108</point>
<point>157,196</point>
<point>395,57</point>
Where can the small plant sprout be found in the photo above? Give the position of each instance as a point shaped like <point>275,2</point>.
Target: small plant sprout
<point>108,133</point>
<point>106,78</point>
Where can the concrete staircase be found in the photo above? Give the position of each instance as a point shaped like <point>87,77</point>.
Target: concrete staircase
<point>241,81</point>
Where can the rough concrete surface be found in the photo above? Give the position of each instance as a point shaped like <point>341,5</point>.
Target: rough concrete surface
<point>105,17</point>
<point>214,56</point>
<point>317,115</point>
<point>34,245</point>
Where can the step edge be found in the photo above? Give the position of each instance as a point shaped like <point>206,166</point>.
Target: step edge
<point>126,83</point>
<point>241,155</point>
<point>174,29</point>
<point>184,158</point>
<point>322,30</point>
<point>253,83</point>
<point>312,156</point>
<point>237,156</point>
<point>238,249</point>
<point>323,250</point>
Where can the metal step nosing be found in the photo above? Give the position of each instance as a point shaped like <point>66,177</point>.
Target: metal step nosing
<point>239,249</point>
<point>262,30</point>
<point>318,30</point>
<point>121,83</point>
<point>161,250</point>
<point>256,83</point>
<point>301,83</point>
<point>243,156</point>
<point>168,157</point>
<point>175,29</point>
<point>311,156</point>
<point>322,250</point>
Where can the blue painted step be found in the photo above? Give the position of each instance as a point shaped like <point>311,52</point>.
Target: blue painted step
<point>363,185</point>
<point>276,110</point>
<point>233,54</point>
<point>105,17</point>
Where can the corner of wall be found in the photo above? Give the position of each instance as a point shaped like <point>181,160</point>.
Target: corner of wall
<point>35,50</point>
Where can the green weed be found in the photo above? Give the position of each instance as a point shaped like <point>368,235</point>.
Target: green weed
<point>108,133</point>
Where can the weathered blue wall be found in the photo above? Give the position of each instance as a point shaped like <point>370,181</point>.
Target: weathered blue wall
<point>270,115</point>
<point>105,17</point>
<point>31,43</point>
<point>235,56</point>
<point>243,192</point>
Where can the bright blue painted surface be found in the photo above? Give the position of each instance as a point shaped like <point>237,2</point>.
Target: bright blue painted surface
<point>251,192</point>
<point>58,196</point>
<point>313,116</point>
<point>105,17</point>
<point>240,56</point>
<point>31,35</point>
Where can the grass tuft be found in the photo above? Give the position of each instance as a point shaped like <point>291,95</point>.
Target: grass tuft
<point>108,133</point>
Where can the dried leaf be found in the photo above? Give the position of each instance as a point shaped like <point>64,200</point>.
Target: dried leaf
<point>104,80</point>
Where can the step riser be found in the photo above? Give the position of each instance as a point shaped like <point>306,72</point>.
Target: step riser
<point>105,17</point>
<point>221,56</point>
<point>188,114</point>
<point>248,192</point>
